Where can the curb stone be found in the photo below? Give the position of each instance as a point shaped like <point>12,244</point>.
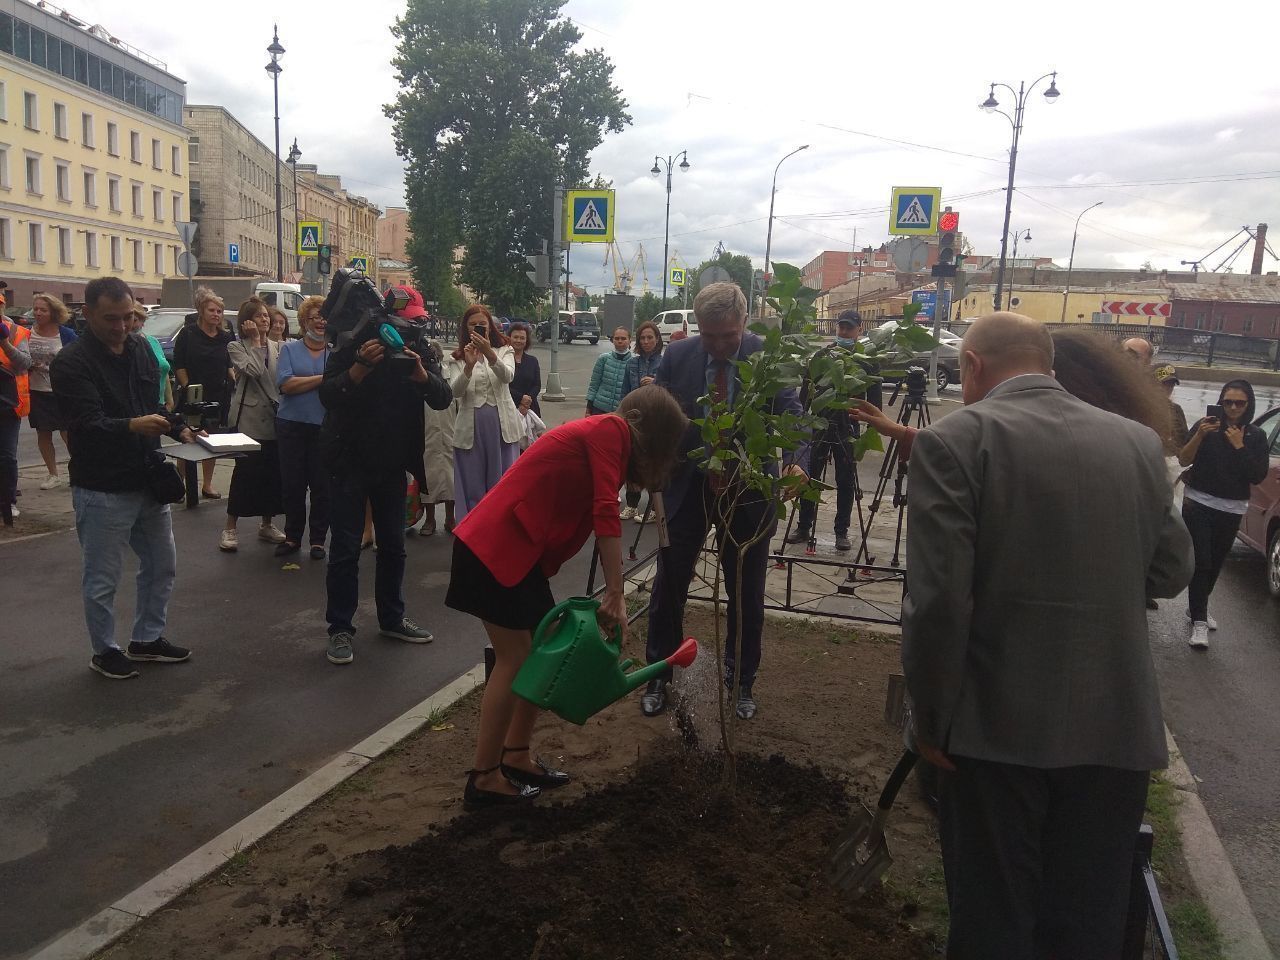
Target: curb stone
<point>108,925</point>
<point>1211,871</point>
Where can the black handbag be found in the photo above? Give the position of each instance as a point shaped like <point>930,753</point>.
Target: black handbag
<point>164,479</point>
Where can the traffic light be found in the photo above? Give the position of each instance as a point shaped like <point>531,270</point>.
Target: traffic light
<point>948,224</point>
<point>324,253</point>
<point>539,272</point>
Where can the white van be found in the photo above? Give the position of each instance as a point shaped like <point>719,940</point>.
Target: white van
<point>674,321</point>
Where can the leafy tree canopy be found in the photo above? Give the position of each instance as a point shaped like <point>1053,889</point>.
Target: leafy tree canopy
<point>737,264</point>
<point>496,105</point>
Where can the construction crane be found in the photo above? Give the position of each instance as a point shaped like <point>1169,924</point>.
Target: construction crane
<point>639,262</point>
<point>622,275</point>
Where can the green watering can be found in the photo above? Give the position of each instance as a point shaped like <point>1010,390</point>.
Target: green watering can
<point>573,669</point>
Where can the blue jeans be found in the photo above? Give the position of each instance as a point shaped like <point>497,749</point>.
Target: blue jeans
<point>346,525</point>
<point>105,522</point>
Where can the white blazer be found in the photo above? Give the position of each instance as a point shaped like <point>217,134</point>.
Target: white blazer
<point>487,384</point>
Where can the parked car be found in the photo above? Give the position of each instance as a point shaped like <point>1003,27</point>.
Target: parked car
<point>1260,527</point>
<point>163,323</point>
<point>676,321</point>
<point>574,325</point>
<point>948,360</point>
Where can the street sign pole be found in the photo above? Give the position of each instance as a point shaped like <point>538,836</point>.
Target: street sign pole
<point>553,390</point>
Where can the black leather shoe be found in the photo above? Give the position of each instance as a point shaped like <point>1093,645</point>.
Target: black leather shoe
<point>843,542</point>
<point>797,536</point>
<point>654,699</point>
<point>746,704</point>
<point>473,798</point>
<point>547,779</point>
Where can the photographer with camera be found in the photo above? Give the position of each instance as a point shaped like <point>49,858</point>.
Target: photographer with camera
<point>108,384</point>
<point>377,377</point>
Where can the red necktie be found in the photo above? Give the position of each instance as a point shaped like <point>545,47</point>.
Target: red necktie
<point>722,383</point>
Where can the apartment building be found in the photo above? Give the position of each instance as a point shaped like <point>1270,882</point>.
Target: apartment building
<point>93,157</point>
<point>353,230</point>
<point>233,192</point>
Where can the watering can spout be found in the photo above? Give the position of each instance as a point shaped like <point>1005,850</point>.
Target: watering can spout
<point>681,658</point>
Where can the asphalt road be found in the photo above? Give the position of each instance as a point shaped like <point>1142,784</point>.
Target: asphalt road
<point>107,783</point>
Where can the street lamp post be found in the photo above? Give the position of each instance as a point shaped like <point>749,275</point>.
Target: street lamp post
<point>274,69</point>
<point>669,162</point>
<point>1013,271</point>
<point>768,241</point>
<point>1066,290</point>
<point>294,156</point>
<point>992,105</point>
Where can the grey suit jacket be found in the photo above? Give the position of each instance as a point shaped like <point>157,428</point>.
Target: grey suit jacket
<point>253,404</point>
<point>1037,527</point>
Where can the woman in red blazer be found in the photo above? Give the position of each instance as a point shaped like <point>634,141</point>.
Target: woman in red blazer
<point>560,491</point>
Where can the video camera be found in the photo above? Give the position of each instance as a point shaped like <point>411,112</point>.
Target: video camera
<point>357,313</point>
<point>917,381</point>
<point>199,413</point>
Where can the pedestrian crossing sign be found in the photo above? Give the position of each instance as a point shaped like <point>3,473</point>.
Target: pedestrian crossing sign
<point>913,211</point>
<point>677,276</point>
<point>588,216</point>
<point>310,234</point>
<point>359,262</point>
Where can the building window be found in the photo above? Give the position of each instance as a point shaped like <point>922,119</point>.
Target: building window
<point>135,146</point>
<point>4,99</point>
<point>155,155</point>
<point>30,111</point>
<point>1248,325</point>
<point>113,194</point>
<point>135,192</point>
<point>1199,321</point>
<point>1218,322</point>
<point>137,255</point>
<point>60,121</point>
<point>175,161</point>
<point>35,241</point>
<point>91,249</point>
<point>6,239</point>
<point>4,166</point>
<point>157,205</point>
<point>113,139</point>
<point>86,129</point>
<point>33,175</point>
<point>117,256</point>
<point>158,256</point>
<point>177,208</point>
<point>193,150</point>
<point>90,189</point>
<point>62,180</point>
<point>64,246</point>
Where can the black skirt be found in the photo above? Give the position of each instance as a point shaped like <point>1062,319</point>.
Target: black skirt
<point>255,484</point>
<point>475,590</point>
<point>45,414</point>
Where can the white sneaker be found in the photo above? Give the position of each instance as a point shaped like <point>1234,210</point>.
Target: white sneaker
<point>229,542</point>
<point>628,513</point>
<point>53,481</point>
<point>1213,624</point>
<point>270,533</point>
<point>14,511</point>
<point>1199,635</point>
<point>646,517</point>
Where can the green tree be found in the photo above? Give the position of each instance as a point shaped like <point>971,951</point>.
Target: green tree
<point>496,104</point>
<point>649,305</point>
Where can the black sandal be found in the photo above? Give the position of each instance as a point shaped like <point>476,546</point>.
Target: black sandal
<point>548,779</point>
<point>474,798</point>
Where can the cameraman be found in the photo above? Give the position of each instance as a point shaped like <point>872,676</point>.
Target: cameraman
<point>372,435</point>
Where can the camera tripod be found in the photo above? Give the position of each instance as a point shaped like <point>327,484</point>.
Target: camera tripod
<point>914,405</point>
<point>828,462</point>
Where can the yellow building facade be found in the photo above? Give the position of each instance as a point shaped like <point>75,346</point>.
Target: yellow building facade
<point>93,160</point>
<point>1045,303</point>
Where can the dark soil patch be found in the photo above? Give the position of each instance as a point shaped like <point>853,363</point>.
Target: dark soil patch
<point>662,866</point>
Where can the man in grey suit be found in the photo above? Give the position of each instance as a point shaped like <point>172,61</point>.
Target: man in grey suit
<point>1038,526</point>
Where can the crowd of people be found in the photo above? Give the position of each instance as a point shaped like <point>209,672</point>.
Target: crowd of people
<point>1032,684</point>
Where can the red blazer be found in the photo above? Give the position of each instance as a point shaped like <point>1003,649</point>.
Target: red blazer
<point>546,506</point>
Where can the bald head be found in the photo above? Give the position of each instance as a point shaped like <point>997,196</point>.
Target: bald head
<point>999,346</point>
<point>1140,348</point>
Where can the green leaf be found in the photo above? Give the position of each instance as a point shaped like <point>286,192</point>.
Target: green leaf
<point>909,312</point>
<point>870,440</point>
<point>785,271</point>
<point>915,338</point>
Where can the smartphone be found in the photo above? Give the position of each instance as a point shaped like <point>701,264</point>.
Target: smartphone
<point>1215,412</point>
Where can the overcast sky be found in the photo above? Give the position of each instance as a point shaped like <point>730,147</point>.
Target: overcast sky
<point>1181,95</point>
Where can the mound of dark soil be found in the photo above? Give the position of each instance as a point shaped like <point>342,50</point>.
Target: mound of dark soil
<point>660,866</point>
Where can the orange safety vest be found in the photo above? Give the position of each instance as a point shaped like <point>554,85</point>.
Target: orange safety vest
<point>17,334</point>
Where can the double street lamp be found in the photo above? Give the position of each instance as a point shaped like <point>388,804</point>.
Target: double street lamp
<point>658,164</point>
<point>992,105</point>
<point>768,242</point>
<point>1013,270</point>
<point>274,69</point>
<point>1066,290</point>
<point>294,156</point>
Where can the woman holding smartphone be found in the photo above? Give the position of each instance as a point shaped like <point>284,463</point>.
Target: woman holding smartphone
<point>486,434</point>
<point>1226,453</point>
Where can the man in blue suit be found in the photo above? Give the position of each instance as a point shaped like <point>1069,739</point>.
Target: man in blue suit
<point>693,368</point>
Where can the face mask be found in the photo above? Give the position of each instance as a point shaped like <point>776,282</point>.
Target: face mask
<point>621,353</point>
<point>846,342</point>
<point>315,337</point>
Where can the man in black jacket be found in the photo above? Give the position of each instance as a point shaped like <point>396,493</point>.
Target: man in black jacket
<point>108,384</point>
<point>835,442</point>
<point>373,434</point>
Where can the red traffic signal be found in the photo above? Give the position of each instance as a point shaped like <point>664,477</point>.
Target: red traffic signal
<point>948,222</point>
